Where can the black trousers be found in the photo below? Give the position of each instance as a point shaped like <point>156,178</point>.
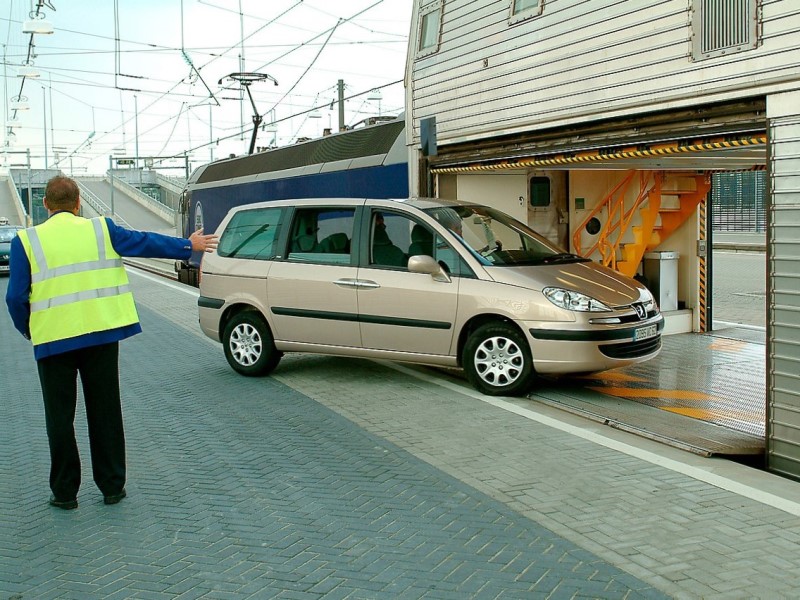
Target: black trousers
<point>98,367</point>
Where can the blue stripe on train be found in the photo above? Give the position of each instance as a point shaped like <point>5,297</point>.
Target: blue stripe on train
<point>389,181</point>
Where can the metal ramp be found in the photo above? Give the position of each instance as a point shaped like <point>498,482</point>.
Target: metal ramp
<point>686,433</point>
<point>704,393</point>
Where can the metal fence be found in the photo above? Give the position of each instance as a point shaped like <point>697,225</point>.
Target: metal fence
<point>738,201</point>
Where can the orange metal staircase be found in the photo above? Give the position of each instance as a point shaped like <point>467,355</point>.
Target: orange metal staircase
<point>665,200</point>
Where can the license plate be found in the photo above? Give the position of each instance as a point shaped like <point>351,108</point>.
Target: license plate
<point>645,333</point>
<point>3,268</point>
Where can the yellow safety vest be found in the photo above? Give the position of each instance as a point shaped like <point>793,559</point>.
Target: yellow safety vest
<point>78,283</point>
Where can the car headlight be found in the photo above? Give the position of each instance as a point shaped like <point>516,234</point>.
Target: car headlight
<point>571,300</point>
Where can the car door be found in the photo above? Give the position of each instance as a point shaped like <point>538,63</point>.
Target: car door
<point>312,293</point>
<point>400,310</point>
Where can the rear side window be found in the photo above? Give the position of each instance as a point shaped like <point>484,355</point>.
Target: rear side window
<point>322,235</point>
<point>251,234</point>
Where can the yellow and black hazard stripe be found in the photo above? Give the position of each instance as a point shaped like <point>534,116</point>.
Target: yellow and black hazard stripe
<point>606,154</point>
<point>702,263</point>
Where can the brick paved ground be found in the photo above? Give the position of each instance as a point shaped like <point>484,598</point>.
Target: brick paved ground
<point>245,488</point>
<point>341,478</point>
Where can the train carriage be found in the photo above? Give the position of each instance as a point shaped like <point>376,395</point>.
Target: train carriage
<point>371,161</point>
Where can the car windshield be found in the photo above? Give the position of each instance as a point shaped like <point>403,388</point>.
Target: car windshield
<point>7,234</point>
<point>497,239</point>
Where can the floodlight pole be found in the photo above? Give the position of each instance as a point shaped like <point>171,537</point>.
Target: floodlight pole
<point>30,190</point>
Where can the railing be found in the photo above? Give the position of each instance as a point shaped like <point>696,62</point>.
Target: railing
<point>145,200</point>
<point>16,199</point>
<point>618,218</point>
<point>171,182</point>
<point>98,206</point>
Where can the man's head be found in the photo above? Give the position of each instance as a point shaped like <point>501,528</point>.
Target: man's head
<point>449,218</point>
<point>61,193</point>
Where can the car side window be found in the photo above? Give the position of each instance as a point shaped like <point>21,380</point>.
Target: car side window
<point>390,239</point>
<point>322,235</point>
<point>449,258</point>
<point>251,234</point>
<point>394,238</point>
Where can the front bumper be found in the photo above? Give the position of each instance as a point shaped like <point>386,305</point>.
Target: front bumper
<point>573,349</point>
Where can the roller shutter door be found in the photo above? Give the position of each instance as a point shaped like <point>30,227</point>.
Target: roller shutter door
<point>783,309</point>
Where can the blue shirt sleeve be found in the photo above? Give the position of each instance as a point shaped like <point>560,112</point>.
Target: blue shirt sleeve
<point>19,288</point>
<point>147,244</point>
<point>126,242</point>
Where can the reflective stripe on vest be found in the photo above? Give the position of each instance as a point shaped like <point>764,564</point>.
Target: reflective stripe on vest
<point>78,297</point>
<point>47,273</point>
<point>86,295</point>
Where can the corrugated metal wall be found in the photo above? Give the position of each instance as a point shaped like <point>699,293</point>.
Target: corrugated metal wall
<point>783,284</point>
<point>577,62</point>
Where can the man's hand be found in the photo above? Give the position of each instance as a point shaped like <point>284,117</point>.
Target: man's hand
<point>204,243</point>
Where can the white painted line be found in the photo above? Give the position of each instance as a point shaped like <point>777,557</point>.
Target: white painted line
<point>691,471</point>
<point>740,252</point>
<point>175,286</point>
<point>739,325</point>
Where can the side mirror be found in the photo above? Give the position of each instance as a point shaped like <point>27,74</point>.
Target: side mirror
<point>422,263</point>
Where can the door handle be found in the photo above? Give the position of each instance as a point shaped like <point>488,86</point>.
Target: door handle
<point>356,283</point>
<point>346,282</point>
<point>367,283</point>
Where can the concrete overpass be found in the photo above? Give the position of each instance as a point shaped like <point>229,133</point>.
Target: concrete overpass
<point>128,206</point>
<point>10,202</point>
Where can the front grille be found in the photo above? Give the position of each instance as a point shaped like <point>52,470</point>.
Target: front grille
<point>631,349</point>
<point>634,318</point>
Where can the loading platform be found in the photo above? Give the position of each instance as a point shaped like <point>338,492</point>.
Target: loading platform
<point>704,393</point>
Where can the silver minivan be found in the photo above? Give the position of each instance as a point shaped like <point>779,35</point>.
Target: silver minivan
<point>419,280</point>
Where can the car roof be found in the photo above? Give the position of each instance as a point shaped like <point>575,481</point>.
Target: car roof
<point>421,203</point>
<point>424,203</point>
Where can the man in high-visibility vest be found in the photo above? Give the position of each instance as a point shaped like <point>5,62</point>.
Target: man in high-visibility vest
<point>68,293</point>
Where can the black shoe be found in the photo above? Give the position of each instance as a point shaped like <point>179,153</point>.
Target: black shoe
<point>65,504</point>
<point>114,498</point>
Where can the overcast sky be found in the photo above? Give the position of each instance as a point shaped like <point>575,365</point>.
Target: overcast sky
<point>113,68</point>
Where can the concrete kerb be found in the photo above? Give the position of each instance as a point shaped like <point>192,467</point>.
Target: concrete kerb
<point>739,242</point>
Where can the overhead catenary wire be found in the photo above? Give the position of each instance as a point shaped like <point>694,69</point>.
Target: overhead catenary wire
<point>283,119</point>
<point>161,92</point>
<point>229,49</point>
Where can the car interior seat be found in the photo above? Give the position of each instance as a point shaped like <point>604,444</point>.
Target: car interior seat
<point>384,252</point>
<point>421,241</point>
<point>305,235</point>
<point>336,243</point>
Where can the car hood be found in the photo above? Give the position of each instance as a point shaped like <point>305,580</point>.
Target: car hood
<point>601,283</point>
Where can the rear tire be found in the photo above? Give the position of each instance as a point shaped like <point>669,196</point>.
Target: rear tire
<point>249,345</point>
<point>497,360</point>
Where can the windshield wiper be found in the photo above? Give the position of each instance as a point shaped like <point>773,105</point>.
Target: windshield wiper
<point>261,229</point>
<point>563,257</point>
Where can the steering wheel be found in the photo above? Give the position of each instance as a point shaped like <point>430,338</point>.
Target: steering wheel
<point>487,251</point>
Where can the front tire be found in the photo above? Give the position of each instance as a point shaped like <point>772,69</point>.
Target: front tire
<point>249,345</point>
<point>497,360</point>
